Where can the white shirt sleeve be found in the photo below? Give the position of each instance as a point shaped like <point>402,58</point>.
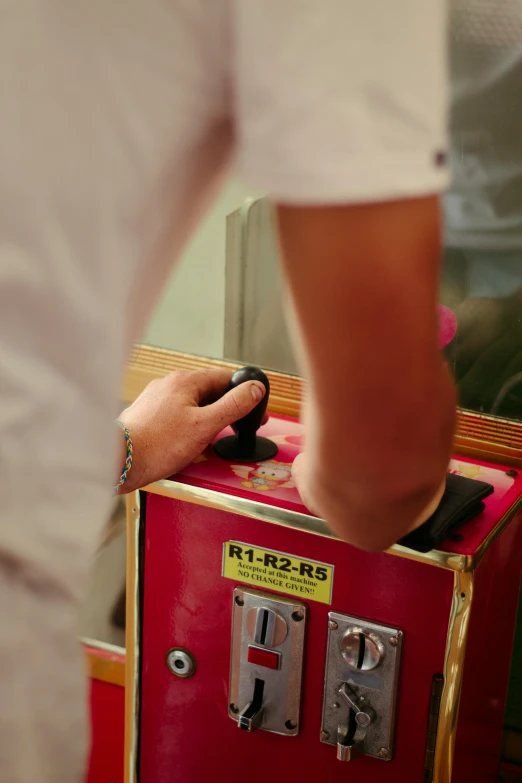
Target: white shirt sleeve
<point>341,100</point>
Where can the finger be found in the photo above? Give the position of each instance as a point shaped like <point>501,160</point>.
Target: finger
<point>234,405</point>
<point>210,385</point>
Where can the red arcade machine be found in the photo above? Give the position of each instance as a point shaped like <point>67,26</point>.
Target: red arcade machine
<point>260,645</point>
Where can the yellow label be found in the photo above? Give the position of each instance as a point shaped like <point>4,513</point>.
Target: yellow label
<point>266,569</point>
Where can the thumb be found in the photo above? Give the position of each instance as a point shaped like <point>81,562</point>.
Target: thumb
<point>234,405</point>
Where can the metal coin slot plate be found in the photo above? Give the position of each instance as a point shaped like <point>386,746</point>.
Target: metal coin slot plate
<point>376,687</point>
<point>279,628</point>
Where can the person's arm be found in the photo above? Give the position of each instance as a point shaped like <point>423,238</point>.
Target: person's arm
<point>176,417</point>
<point>342,120</point>
<point>381,408</point>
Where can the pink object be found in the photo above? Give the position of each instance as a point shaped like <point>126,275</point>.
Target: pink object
<point>447,326</point>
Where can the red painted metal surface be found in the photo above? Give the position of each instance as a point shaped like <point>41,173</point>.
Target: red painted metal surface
<point>185,731</point>
<point>488,658</point>
<point>270,481</point>
<point>265,658</point>
<point>107,703</point>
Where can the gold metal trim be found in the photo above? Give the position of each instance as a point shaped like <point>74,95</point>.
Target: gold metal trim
<point>100,667</point>
<point>148,363</point>
<point>132,638</point>
<point>292,519</point>
<point>497,530</point>
<point>200,496</point>
<point>458,623</point>
<point>478,435</point>
<point>453,674</point>
<point>106,670</point>
<point>97,644</point>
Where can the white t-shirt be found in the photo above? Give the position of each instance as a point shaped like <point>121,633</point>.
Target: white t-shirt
<point>118,122</point>
<point>483,208</point>
<point>119,118</point>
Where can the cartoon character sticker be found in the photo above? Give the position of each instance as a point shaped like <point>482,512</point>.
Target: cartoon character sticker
<point>266,476</point>
<point>468,470</point>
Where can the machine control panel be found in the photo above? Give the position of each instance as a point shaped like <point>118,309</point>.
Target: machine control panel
<point>266,665</point>
<point>360,689</point>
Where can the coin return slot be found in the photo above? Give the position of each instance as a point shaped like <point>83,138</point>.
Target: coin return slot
<point>251,716</point>
<point>352,728</point>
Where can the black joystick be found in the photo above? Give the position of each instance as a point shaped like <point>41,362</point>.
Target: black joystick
<point>245,445</point>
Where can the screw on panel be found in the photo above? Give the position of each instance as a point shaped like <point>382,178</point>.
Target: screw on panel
<point>297,615</point>
<point>239,601</point>
<point>335,705</point>
<point>180,662</point>
<point>383,753</point>
<point>332,625</point>
<point>325,735</point>
<point>512,473</point>
<point>393,641</point>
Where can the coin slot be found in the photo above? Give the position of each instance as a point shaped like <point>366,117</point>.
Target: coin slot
<point>362,649</point>
<point>264,626</point>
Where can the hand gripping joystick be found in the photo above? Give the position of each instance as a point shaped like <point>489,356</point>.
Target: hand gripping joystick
<point>245,445</point>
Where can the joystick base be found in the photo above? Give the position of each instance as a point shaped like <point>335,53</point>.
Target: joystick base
<point>229,448</point>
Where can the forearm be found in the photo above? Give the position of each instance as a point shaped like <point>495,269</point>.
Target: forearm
<point>381,410</point>
<point>374,492</point>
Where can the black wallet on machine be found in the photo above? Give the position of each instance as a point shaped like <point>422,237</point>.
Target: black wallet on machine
<point>461,502</point>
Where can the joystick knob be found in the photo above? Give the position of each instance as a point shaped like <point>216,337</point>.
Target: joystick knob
<point>245,445</point>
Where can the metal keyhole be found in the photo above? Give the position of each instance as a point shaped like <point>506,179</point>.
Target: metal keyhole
<point>360,650</point>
